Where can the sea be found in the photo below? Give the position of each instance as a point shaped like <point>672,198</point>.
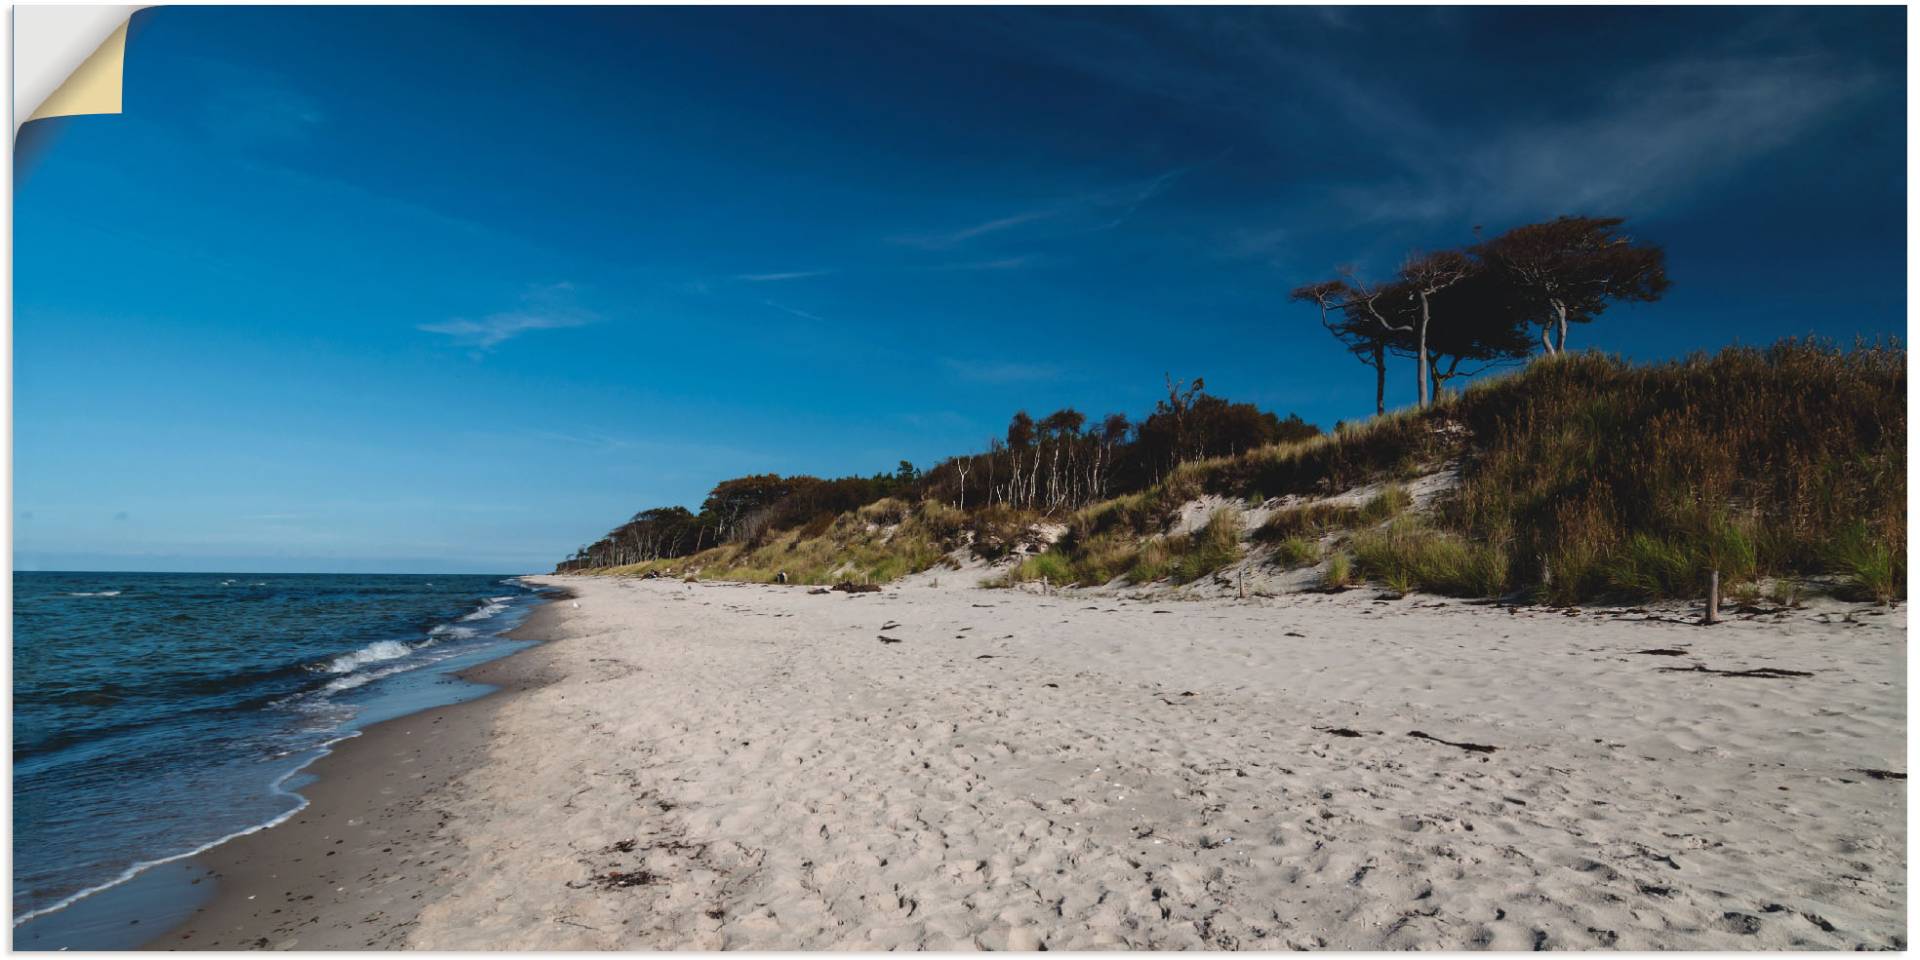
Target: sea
<point>157,715</point>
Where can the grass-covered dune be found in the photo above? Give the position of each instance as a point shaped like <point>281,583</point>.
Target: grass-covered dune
<point>1580,476</point>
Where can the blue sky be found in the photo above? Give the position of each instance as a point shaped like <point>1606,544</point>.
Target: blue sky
<point>438,289</point>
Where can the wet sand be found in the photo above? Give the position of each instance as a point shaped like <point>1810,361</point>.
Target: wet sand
<point>352,870</point>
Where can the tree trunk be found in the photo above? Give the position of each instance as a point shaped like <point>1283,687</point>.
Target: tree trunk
<point>1425,364</point>
<point>1033,480</point>
<point>1561,346</point>
<point>1379,379</point>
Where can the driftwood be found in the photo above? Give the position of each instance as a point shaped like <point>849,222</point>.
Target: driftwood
<point>1469,747</point>
<point>1765,673</point>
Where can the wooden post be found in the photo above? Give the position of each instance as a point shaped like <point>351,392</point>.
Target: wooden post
<point>1243,583</point>
<point>1713,597</point>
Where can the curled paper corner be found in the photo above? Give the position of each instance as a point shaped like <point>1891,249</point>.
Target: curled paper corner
<point>68,60</point>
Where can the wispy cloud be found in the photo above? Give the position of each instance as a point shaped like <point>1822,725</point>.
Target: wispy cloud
<point>1643,138</point>
<point>1659,137</point>
<point>1000,371</point>
<point>1665,131</point>
<point>795,311</point>
<point>777,277</point>
<point>548,307</point>
<point>1002,263</point>
<point>1092,210</point>
<point>496,329</point>
<point>1126,201</point>
<point>942,239</point>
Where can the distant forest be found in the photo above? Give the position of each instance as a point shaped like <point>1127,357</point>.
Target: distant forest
<point>1056,464</point>
<point>1453,313</point>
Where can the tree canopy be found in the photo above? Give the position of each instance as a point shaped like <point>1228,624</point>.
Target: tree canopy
<point>1456,312</point>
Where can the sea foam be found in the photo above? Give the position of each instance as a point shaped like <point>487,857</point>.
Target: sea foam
<point>492,606</point>
<point>371,653</point>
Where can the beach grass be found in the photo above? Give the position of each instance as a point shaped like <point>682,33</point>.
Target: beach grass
<point>1580,476</point>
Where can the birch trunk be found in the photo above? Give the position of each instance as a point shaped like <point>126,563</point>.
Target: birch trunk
<point>1426,365</point>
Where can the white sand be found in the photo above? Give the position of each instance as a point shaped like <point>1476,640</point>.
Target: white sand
<point>1162,774</point>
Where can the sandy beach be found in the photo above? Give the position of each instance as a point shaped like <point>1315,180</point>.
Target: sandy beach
<point>754,767</point>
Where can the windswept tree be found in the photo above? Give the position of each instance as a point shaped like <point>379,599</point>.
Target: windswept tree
<point>1457,312</point>
<point>1568,269</point>
<point>1351,312</point>
<point>1423,277</point>
<point>1485,326</point>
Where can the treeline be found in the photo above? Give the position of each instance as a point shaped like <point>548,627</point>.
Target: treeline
<point>736,510</point>
<point>1458,312</point>
<point>1455,313</point>
<point>1049,466</point>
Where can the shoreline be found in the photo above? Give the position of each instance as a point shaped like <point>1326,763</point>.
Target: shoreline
<point>351,870</point>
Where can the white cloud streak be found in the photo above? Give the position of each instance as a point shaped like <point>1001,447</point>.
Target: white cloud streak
<point>778,277</point>
<point>802,314</point>
<point>942,240</point>
<point>1093,210</point>
<point>1002,263</point>
<point>548,307</point>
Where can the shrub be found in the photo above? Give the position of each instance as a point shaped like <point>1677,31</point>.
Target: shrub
<point>1318,519</point>
<point>1396,444</point>
<point>1135,514</point>
<point>943,521</point>
<point>1311,520</point>
<point>1871,568</point>
<point>1154,561</point>
<point>1657,567</point>
<point>1296,552</point>
<point>1623,476</point>
<point>885,512</point>
<point>1652,567</point>
<point>1049,566</point>
<point>1101,560</point>
<point>1210,548</point>
<point>1407,556</point>
<point>998,529</point>
<point>1391,502</point>
<point>1339,575</point>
